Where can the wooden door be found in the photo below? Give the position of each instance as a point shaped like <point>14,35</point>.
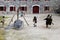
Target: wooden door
<point>36,9</point>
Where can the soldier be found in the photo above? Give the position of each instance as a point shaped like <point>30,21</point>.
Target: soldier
<point>35,21</point>
<point>48,20</point>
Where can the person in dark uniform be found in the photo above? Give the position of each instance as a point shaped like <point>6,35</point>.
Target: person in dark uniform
<point>48,20</point>
<point>35,21</point>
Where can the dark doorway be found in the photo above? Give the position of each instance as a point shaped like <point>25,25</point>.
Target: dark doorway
<point>12,8</point>
<point>46,8</point>
<point>36,9</point>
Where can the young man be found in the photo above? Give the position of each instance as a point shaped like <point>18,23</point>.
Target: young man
<point>35,21</point>
<point>48,20</point>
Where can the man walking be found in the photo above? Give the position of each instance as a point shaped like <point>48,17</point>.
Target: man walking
<point>35,21</point>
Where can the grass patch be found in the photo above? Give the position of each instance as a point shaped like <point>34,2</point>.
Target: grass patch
<point>7,17</point>
<point>2,33</point>
<point>2,18</point>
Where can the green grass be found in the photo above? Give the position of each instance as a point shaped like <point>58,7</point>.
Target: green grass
<point>2,18</point>
<point>2,33</point>
<point>6,17</point>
